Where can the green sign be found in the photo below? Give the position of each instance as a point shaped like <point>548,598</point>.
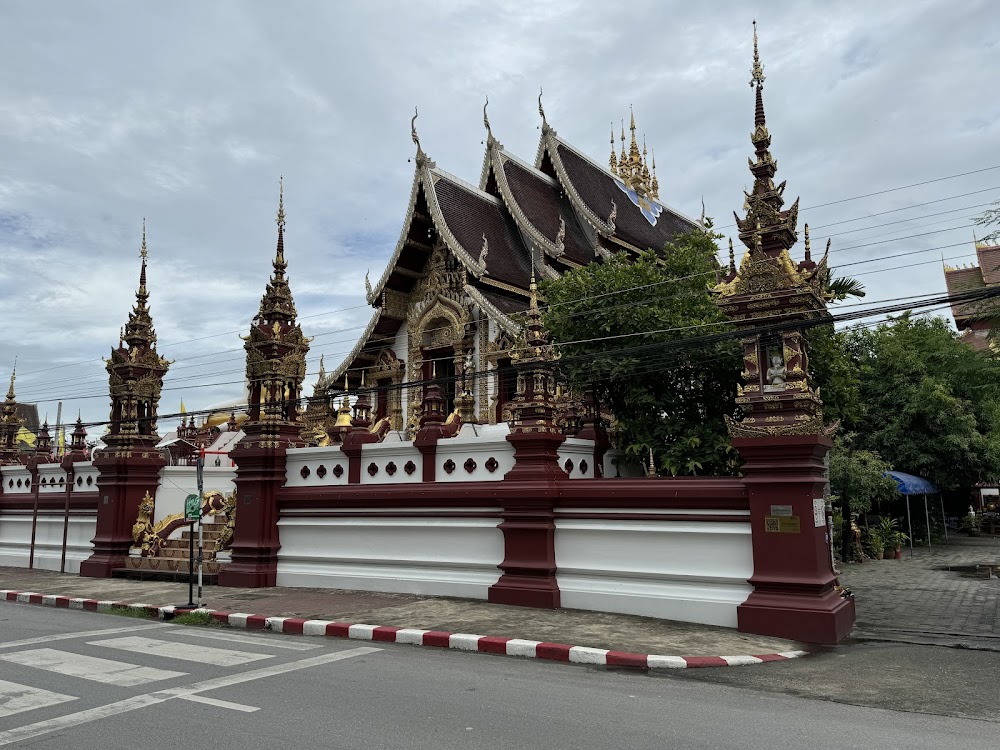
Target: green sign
<point>192,508</point>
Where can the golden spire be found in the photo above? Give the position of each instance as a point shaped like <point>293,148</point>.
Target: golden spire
<point>624,156</point>
<point>280,219</point>
<point>143,253</point>
<point>633,149</point>
<point>654,183</point>
<point>757,71</point>
<point>613,160</point>
<point>808,247</point>
<point>13,375</point>
<point>732,257</point>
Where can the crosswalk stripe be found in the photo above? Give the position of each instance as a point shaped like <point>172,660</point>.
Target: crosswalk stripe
<point>16,698</point>
<point>274,641</point>
<point>220,657</point>
<point>89,667</point>
<point>83,634</point>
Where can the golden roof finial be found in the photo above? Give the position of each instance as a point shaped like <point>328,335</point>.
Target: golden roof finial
<point>651,468</point>
<point>757,71</point>
<point>623,156</point>
<point>486,120</point>
<point>808,246</point>
<point>280,219</point>
<point>702,219</point>
<point>541,110</point>
<point>732,257</point>
<point>143,250</point>
<point>413,132</point>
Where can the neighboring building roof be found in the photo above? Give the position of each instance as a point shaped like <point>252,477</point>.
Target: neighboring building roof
<point>987,273</point>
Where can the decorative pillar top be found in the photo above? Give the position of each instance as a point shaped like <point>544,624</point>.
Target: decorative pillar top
<point>533,409</point>
<point>10,424</point>
<point>769,289</point>
<point>276,349</point>
<point>136,371</point>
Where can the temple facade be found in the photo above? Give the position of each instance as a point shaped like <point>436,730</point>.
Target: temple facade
<point>451,301</point>
<point>443,456</point>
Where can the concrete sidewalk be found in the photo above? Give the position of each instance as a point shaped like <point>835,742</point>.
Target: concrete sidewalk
<point>595,629</point>
<point>945,596</point>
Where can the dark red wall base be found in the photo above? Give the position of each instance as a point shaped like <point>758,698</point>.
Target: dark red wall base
<point>826,620</point>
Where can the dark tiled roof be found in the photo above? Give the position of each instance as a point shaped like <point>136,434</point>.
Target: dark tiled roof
<point>469,215</point>
<point>597,189</point>
<point>503,303</point>
<point>28,414</point>
<point>543,204</point>
<point>989,262</point>
<point>963,280</point>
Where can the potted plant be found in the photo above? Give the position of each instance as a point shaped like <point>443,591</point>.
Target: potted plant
<point>971,524</point>
<point>877,546</point>
<point>896,541</point>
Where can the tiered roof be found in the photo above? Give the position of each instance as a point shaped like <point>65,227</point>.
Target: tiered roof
<point>561,212</point>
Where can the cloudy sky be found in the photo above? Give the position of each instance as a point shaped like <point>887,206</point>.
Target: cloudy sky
<point>186,113</point>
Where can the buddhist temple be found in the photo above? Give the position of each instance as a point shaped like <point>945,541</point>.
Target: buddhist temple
<point>969,317</point>
<point>447,305</point>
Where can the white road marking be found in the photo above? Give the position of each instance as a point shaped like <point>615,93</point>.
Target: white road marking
<point>141,701</point>
<point>84,634</point>
<point>89,667</point>
<point>219,703</point>
<point>270,642</point>
<point>219,657</point>
<point>16,698</point>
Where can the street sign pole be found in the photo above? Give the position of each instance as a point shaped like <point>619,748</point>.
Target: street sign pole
<point>201,524</point>
<point>192,511</point>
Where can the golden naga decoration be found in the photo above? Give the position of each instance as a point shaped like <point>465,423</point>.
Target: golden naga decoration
<point>151,537</point>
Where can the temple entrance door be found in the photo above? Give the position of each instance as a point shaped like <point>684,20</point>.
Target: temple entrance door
<point>439,365</point>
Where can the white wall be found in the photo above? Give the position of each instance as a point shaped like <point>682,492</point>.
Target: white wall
<point>312,458</point>
<point>692,571</point>
<point>15,540</point>
<point>480,443</point>
<point>397,453</point>
<point>451,556</point>
<point>16,480</point>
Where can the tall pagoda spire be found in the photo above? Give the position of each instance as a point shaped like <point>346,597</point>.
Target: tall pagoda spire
<point>765,224</point>
<point>275,347</point>
<point>769,288</point>
<point>9,424</point>
<point>136,372</point>
<point>632,166</point>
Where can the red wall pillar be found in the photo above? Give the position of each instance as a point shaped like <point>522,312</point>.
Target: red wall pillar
<point>794,584</point>
<point>528,525</point>
<point>260,474</point>
<point>125,478</point>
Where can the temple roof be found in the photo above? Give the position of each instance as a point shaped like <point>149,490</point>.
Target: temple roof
<point>597,195</point>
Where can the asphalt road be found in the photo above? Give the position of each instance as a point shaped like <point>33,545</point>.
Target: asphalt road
<point>99,682</point>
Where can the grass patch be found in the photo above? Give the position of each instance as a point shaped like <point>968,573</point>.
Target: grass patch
<point>139,612</point>
<point>197,618</point>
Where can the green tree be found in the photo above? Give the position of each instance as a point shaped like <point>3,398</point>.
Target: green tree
<point>859,475</point>
<point>669,400</point>
<point>929,404</point>
<point>991,218</point>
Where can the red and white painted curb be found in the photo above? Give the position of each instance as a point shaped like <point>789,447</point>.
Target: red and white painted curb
<point>462,641</point>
